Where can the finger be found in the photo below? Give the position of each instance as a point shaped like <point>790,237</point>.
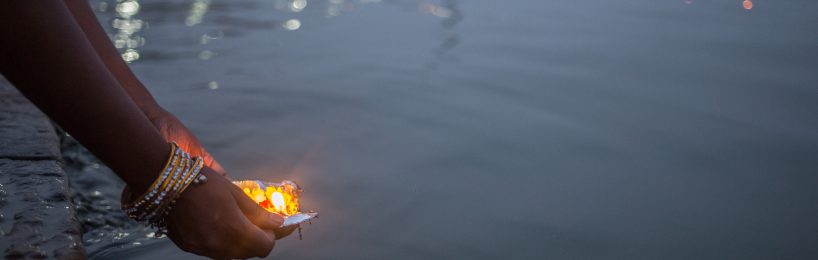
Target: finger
<point>256,214</point>
<point>285,231</point>
<point>213,164</point>
<point>271,235</point>
<point>257,243</point>
<point>248,240</point>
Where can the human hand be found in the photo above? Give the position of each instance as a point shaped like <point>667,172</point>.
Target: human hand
<point>174,131</point>
<point>216,219</point>
<point>285,231</point>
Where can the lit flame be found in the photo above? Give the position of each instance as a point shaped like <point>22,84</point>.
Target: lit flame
<point>278,198</point>
<point>278,202</point>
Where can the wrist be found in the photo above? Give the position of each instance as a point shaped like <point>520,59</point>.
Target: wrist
<point>150,171</point>
<point>180,171</point>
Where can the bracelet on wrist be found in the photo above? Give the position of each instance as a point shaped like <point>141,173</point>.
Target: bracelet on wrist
<point>157,201</point>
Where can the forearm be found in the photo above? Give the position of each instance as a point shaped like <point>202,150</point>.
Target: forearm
<point>44,53</point>
<point>110,57</point>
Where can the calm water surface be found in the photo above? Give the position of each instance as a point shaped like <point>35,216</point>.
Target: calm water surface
<point>522,129</point>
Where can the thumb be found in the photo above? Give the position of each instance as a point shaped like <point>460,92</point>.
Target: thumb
<point>255,213</point>
<point>213,164</point>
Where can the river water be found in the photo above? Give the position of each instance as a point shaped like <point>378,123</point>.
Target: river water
<point>519,129</point>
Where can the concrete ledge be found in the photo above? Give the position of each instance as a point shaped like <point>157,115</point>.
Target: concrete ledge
<point>37,218</point>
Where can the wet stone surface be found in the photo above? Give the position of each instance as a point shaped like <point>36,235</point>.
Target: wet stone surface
<point>25,133</point>
<point>106,232</point>
<point>37,217</point>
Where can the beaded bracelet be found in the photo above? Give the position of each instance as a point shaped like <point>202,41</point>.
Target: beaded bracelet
<point>160,202</point>
<point>157,201</point>
<point>132,208</point>
<point>187,179</point>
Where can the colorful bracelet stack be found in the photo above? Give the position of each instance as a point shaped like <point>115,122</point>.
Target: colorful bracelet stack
<point>155,203</point>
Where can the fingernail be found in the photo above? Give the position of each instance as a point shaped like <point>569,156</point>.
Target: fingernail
<point>277,218</point>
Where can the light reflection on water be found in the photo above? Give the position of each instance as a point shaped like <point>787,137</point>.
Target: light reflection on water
<point>197,11</point>
<point>127,26</point>
<point>515,129</point>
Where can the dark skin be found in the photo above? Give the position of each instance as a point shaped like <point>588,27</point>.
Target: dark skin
<point>168,125</point>
<point>57,55</point>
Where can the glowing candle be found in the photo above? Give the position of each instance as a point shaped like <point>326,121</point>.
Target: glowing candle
<point>281,198</point>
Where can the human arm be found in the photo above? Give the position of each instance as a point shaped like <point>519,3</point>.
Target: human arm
<point>44,53</point>
<point>170,127</point>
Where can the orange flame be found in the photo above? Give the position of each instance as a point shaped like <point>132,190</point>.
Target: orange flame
<point>278,198</point>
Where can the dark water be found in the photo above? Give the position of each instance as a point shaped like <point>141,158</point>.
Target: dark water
<point>522,129</point>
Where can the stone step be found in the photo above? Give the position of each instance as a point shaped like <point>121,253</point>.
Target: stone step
<point>37,218</point>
